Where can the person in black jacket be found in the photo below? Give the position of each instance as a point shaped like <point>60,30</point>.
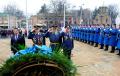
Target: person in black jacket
<point>17,41</point>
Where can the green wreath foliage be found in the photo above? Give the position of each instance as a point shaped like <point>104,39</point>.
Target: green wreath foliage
<point>8,68</point>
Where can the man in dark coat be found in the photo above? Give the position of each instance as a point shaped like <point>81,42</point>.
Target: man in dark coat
<point>17,41</point>
<point>38,37</point>
<point>68,43</point>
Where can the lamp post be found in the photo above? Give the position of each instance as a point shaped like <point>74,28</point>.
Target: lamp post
<point>27,27</point>
<point>64,14</point>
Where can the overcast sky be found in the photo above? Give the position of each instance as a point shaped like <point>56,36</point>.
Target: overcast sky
<point>34,5</point>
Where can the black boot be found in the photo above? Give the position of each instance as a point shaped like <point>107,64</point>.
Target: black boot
<point>88,42</point>
<point>96,44</point>
<point>112,50</point>
<point>106,47</point>
<point>92,43</point>
<point>119,52</point>
<point>101,46</point>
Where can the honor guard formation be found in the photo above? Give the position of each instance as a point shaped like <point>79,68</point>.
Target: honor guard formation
<point>105,36</point>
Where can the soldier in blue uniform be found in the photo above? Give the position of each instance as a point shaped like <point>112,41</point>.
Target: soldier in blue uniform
<point>38,38</point>
<point>96,35</point>
<point>113,38</point>
<point>101,36</point>
<point>118,40</point>
<point>77,33</point>
<point>81,33</point>
<point>89,32</point>
<point>106,36</point>
<point>55,38</point>
<point>31,34</point>
<point>92,36</point>
<point>73,31</point>
<point>68,43</point>
<point>85,36</point>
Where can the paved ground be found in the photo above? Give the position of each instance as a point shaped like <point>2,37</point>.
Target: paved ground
<point>90,61</point>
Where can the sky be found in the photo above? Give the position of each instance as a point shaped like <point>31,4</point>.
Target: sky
<point>33,6</point>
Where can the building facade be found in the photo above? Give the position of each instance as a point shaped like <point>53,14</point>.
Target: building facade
<point>49,19</point>
<point>7,21</point>
<point>102,17</point>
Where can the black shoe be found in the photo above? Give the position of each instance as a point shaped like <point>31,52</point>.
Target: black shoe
<point>106,50</point>
<point>101,48</point>
<point>95,46</point>
<point>112,51</point>
<point>118,54</point>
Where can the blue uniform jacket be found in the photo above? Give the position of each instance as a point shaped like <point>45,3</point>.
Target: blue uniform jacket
<point>106,36</point>
<point>101,36</point>
<point>96,35</point>
<point>91,34</point>
<point>37,37</point>
<point>88,37</point>
<point>67,41</point>
<point>113,37</point>
<point>81,35</point>
<point>118,39</point>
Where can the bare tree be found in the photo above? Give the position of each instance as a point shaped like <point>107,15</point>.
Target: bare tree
<point>113,12</point>
<point>14,11</point>
<point>58,6</point>
<point>44,9</point>
<point>94,13</point>
<point>86,16</point>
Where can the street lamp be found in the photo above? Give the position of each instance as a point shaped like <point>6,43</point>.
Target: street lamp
<point>27,27</point>
<point>64,14</point>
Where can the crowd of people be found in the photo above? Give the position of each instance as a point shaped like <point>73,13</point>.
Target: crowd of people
<point>7,33</point>
<point>104,35</point>
<point>59,39</point>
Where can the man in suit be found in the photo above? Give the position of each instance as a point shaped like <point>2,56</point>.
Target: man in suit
<point>17,41</point>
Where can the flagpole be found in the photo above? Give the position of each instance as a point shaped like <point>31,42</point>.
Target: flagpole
<point>64,14</point>
<point>27,20</point>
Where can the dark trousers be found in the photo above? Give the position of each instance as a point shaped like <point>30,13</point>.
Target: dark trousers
<point>14,52</point>
<point>101,46</point>
<point>118,52</point>
<point>92,43</point>
<point>88,42</point>
<point>55,47</point>
<point>96,44</point>
<point>67,53</point>
<point>106,47</point>
<point>112,49</point>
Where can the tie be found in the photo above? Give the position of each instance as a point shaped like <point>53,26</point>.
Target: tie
<point>16,37</point>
